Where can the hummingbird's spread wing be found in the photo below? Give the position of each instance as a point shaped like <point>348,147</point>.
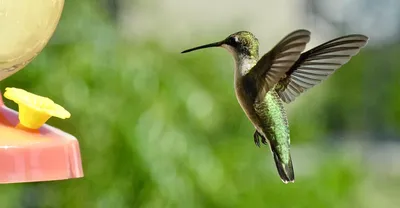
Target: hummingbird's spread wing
<point>317,64</point>
<point>274,64</point>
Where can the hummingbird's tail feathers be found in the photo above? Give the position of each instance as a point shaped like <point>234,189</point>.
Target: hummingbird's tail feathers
<point>285,171</point>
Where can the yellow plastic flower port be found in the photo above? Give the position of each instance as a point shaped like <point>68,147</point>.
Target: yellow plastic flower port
<point>34,110</point>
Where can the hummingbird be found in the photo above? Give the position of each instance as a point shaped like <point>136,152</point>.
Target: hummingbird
<point>263,84</point>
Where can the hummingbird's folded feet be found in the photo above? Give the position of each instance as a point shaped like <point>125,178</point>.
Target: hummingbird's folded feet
<point>256,138</point>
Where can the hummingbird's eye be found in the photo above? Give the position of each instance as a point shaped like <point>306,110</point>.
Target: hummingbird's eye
<point>233,41</point>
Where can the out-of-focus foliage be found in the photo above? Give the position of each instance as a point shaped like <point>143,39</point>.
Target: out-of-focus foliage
<point>161,129</point>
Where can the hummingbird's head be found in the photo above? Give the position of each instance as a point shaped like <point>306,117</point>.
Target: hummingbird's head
<point>242,43</point>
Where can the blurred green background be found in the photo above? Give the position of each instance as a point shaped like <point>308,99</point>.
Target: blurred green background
<point>161,129</point>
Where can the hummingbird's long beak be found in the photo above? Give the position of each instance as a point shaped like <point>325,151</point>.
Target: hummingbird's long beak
<point>216,44</point>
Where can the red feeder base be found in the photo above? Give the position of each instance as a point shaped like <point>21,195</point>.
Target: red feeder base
<point>46,155</point>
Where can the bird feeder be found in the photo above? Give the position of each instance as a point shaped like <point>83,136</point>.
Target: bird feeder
<point>31,150</point>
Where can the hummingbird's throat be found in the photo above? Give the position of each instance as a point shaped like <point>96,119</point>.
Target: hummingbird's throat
<point>231,49</point>
<point>243,63</point>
